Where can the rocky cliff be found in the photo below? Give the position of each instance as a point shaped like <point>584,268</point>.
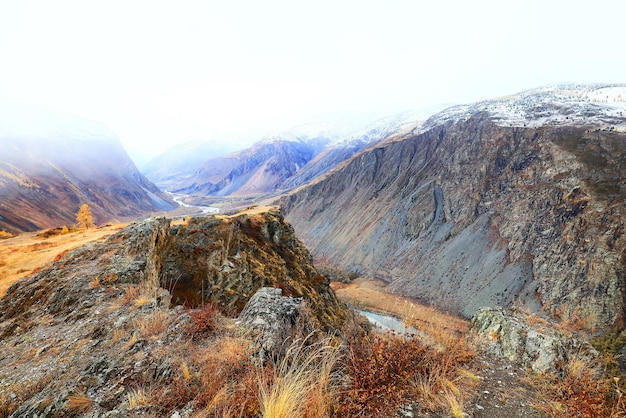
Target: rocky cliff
<point>519,200</point>
<point>100,324</point>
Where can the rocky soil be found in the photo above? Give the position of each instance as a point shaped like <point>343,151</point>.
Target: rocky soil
<point>91,331</point>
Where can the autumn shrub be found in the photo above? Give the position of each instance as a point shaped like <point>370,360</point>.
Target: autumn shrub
<point>203,321</point>
<point>379,370</point>
<point>386,371</point>
<point>582,389</point>
<point>79,403</point>
<point>228,378</point>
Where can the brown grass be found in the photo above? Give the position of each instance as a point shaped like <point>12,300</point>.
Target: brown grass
<point>371,295</point>
<point>79,403</point>
<point>27,253</point>
<point>303,383</point>
<point>582,390</point>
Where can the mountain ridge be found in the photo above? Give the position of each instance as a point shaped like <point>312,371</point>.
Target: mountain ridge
<point>48,170</point>
<point>464,212</point>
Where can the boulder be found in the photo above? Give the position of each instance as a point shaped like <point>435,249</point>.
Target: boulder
<point>537,343</point>
<point>273,320</point>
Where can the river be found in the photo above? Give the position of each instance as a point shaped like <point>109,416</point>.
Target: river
<point>204,209</point>
<point>387,322</point>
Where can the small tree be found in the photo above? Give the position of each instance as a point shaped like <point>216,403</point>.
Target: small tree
<point>83,217</point>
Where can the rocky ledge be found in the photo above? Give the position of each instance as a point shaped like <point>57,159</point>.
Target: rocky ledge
<point>529,340</point>
<point>111,321</point>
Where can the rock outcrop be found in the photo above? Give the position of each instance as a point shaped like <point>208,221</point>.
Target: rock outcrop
<point>472,210</point>
<point>101,322</point>
<point>540,346</point>
<point>271,320</point>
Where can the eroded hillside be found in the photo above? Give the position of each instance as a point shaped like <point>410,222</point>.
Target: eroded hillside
<point>474,212</point>
<point>97,330</point>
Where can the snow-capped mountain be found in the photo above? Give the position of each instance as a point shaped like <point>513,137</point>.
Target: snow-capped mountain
<point>600,105</point>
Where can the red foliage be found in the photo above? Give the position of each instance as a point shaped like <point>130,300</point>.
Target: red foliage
<point>203,321</point>
<point>379,371</point>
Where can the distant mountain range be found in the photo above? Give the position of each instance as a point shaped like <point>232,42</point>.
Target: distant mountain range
<point>276,163</point>
<point>51,164</point>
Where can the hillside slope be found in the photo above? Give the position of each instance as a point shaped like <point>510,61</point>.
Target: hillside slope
<point>100,326</point>
<point>519,200</point>
<point>51,164</point>
<point>262,168</point>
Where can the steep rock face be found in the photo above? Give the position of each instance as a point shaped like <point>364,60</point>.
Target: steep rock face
<point>227,259</point>
<point>468,213</point>
<point>97,322</point>
<point>52,164</point>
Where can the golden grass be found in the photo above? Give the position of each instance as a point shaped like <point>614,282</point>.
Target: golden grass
<point>79,403</point>
<point>138,397</point>
<point>26,253</point>
<point>151,324</point>
<point>371,295</point>
<point>302,384</point>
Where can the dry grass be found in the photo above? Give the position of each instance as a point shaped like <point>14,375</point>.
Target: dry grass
<point>371,295</point>
<point>151,324</point>
<point>138,397</point>
<point>302,384</point>
<point>26,253</point>
<point>387,371</point>
<point>582,390</point>
<point>79,403</point>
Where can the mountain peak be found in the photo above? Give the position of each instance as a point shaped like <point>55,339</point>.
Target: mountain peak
<point>599,105</point>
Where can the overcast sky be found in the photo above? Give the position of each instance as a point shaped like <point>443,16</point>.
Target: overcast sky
<point>161,72</point>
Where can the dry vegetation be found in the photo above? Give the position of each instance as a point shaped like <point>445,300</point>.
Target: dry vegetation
<point>212,367</point>
<point>24,254</point>
<point>443,375</point>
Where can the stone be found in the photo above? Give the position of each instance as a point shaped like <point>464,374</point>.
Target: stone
<point>540,346</point>
<point>271,318</point>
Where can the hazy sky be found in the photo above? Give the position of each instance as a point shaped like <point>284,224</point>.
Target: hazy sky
<point>162,72</point>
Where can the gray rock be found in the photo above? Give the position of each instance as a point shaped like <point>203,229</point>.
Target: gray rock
<point>271,318</point>
<point>540,346</point>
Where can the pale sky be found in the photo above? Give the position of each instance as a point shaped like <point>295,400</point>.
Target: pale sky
<point>163,72</point>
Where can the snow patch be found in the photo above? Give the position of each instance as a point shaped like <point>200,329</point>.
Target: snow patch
<point>602,106</point>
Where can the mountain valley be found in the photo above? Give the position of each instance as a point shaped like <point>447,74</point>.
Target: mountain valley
<point>476,209</point>
<point>51,164</point>
<point>494,231</point>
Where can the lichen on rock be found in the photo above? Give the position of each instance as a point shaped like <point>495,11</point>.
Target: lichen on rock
<point>537,343</point>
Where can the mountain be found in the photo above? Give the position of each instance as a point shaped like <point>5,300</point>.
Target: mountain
<point>262,168</point>
<point>102,325</point>
<point>53,163</point>
<point>281,161</point>
<point>178,163</point>
<point>345,147</point>
<point>519,200</point>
